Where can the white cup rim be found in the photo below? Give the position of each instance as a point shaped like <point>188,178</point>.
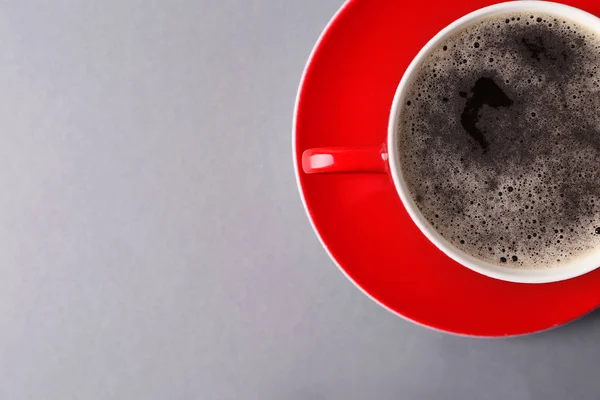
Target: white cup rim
<point>523,275</point>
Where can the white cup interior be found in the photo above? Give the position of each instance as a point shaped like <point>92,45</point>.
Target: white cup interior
<point>522,275</point>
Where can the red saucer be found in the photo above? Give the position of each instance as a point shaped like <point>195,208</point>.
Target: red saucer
<point>344,99</point>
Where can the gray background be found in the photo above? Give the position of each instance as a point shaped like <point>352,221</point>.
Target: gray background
<point>153,244</point>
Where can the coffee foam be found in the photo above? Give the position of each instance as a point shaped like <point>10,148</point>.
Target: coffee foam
<point>499,140</point>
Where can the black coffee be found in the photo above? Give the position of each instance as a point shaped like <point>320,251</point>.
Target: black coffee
<point>499,140</point>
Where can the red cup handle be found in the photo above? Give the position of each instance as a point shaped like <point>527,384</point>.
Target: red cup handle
<point>345,159</point>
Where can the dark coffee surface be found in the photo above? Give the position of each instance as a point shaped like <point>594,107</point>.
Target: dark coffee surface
<point>500,140</point>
